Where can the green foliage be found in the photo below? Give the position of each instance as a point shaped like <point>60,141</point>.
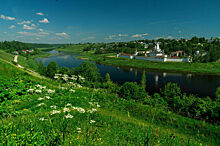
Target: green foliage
<point>131,90</point>
<point>89,71</point>
<point>170,92</point>
<point>52,69</point>
<point>64,70</point>
<point>42,69</point>
<point>107,78</point>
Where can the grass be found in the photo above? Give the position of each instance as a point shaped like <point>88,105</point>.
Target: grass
<point>116,121</point>
<point>72,48</point>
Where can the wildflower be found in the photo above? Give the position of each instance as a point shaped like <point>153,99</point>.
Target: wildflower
<point>92,110</point>
<point>92,121</point>
<point>69,104</point>
<point>40,98</point>
<point>42,119</point>
<point>63,88</point>
<point>50,91</point>
<point>71,90</point>
<point>56,77</point>
<point>66,110</point>
<point>69,116</point>
<point>78,130</point>
<point>53,106</point>
<point>38,91</point>
<point>79,109</point>
<point>40,104</point>
<point>30,90</point>
<point>48,97</point>
<point>55,112</point>
<point>38,85</point>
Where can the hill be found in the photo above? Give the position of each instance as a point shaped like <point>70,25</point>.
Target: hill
<point>41,111</point>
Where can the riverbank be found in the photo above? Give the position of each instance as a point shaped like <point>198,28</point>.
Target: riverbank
<point>111,59</point>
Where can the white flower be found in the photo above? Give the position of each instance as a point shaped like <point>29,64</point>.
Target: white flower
<point>38,91</point>
<point>92,110</point>
<point>56,77</point>
<point>38,85</point>
<point>50,91</point>
<point>79,109</point>
<point>63,88</point>
<point>40,104</point>
<point>42,119</point>
<point>69,104</point>
<point>66,110</point>
<point>30,90</point>
<point>40,98</point>
<point>98,105</point>
<point>47,97</point>
<point>69,116</point>
<point>58,74</point>
<point>55,112</point>
<point>92,121</point>
<point>71,90</point>
<point>53,106</point>
<point>78,130</point>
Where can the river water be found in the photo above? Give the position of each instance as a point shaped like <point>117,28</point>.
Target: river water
<point>191,83</point>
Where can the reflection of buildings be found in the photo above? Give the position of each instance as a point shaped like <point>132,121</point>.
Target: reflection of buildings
<point>156,79</point>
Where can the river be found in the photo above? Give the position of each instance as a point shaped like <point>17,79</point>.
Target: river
<point>191,83</point>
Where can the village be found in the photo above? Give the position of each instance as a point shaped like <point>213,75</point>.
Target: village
<point>157,55</point>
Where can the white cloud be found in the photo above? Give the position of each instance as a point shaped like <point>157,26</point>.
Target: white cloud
<point>40,34</point>
<point>33,25</point>
<point>122,35</point>
<point>25,22</point>
<point>108,38</point>
<point>91,38</point>
<point>40,29</point>
<point>12,26</point>
<point>7,17</point>
<point>45,20</point>
<point>139,35</point>
<point>39,13</point>
<point>112,36</point>
<point>28,27</point>
<point>136,36</point>
<point>37,38</point>
<point>179,31</point>
<point>63,34</point>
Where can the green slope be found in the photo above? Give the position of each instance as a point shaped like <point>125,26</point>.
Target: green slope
<point>25,120</point>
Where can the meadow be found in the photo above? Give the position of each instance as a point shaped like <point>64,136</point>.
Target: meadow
<point>41,111</point>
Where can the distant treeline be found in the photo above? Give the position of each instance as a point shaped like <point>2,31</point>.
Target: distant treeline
<point>35,45</point>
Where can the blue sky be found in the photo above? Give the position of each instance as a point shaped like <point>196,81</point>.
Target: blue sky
<point>77,21</point>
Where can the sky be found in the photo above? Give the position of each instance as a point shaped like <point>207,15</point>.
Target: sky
<point>79,21</point>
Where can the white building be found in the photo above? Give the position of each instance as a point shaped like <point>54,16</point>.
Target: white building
<point>157,51</point>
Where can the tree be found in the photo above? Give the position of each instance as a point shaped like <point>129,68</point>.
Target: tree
<point>143,80</point>
<point>42,69</point>
<point>64,70</point>
<point>89,71</point>
<point>52,69</point>
<point>170,92</point>
<point>107,78</point>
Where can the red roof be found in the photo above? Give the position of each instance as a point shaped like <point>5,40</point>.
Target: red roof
<point>127,54</point>
<point>24,50</point>
<point>175,57</point>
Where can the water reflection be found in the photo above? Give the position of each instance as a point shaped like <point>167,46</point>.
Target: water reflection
<point>201,84</point>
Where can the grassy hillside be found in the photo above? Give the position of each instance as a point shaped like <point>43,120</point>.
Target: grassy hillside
<point>41,111</point>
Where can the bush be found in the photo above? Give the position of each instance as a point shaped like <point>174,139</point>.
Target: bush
<point>52,69</point>
<point>131,90</point>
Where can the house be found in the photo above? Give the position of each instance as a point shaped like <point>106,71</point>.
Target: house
<point>177,53</point>
<point>25,51</point>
